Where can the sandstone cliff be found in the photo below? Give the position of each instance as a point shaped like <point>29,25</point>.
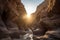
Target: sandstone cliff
<point>47,19</point>
<point>11,13</point>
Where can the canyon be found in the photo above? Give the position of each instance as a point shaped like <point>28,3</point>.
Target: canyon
<point>46,19</point>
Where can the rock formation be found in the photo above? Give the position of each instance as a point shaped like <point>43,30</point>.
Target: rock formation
<point>45,26</point>
<point>11,13</point>
<point>47,19</point>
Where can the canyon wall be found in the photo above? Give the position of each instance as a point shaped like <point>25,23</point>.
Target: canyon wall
<point>47,18</point>
<point>11,21</point>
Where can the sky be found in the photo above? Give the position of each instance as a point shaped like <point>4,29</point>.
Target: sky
<point>31,5</point>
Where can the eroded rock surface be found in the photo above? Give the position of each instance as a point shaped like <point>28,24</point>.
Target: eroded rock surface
<point>46,24</point>
<point>11,13</point>
<point>47,19</point>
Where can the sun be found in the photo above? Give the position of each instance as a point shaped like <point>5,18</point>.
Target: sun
<point>28,18</point>
<point>28,15</point>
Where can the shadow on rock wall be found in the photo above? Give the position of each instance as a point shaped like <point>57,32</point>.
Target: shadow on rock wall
<point>11,12</point>
<point>47,19</point>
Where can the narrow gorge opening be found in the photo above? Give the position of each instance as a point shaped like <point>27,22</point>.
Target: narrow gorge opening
<point>31,5</point>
